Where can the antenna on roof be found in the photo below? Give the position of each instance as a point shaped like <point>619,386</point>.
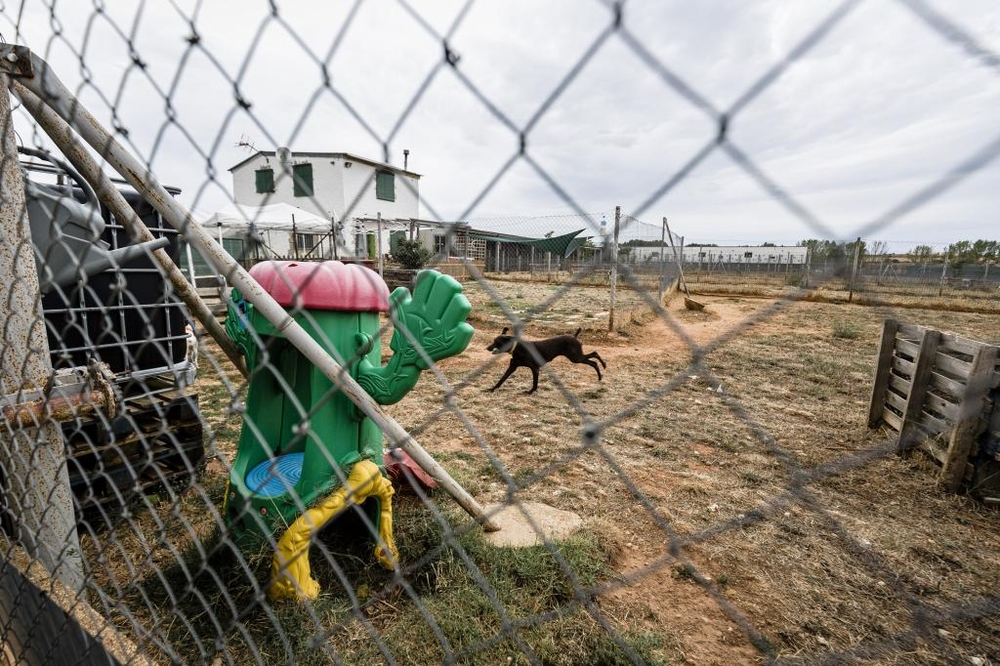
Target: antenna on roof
<point>245,142</point>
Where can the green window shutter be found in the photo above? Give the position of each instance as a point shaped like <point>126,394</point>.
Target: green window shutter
<point>302,180</point>
<point>385,186</point>
<point>234,246</point>
<point>265,180</point>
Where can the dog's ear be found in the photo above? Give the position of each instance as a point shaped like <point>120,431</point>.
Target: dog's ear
<point>504,331</point>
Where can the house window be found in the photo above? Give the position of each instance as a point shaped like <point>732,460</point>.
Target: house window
<point>440,243</point>
<point>305,242</point>
<point>265,180</point>
<point>748,255</point>
<point>385,186</point>
<point>302,180</point>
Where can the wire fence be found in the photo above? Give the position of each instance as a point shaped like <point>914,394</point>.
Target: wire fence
<point>327,470</point>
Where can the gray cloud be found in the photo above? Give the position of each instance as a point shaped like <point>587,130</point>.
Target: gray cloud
<point>878,109</point>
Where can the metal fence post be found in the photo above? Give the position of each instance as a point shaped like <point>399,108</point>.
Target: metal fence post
<point>36,488</point>
<point>944,271</point>
<point>614,268</point>
<point>663,238</point>
<point>854,268</point>
<point>805,280</point>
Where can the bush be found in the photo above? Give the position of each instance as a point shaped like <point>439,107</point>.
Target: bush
<point>846,330</point>
<point>412,254</point>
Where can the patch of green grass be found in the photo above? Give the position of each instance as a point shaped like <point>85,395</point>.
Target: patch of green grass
<point>465,600</point>
<point>846,330</point>
<point>685,572</point>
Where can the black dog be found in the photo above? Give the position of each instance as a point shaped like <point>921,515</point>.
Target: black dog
<point>534,354</point>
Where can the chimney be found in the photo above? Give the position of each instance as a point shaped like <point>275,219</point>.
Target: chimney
<point>406,157</point>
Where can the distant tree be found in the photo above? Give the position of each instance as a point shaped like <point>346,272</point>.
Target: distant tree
<point>768,245</point>
<point>878,248</point>
<point>986,250</point>
<point>823,250</point>
<point>636,242</point>
<point>959,254</point>
<point>921,254</point>
<point>412,254</point>
<point>849,249</point>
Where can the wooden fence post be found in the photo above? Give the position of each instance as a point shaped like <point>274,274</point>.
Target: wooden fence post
<point>883,368</point>
<point>918,389</point>
<point>969,419</point>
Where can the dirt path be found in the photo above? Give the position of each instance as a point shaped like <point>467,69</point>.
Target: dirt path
<point>703,632</point>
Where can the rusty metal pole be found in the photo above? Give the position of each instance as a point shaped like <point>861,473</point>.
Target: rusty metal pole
<point>50,89</point>
<point>614,268</point>
<point>36,485</point>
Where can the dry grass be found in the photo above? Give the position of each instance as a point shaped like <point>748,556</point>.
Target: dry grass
<point>843,561</point>
<point>745,507</point>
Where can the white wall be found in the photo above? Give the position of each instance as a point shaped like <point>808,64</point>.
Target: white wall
<point>360,179</point>
<point>328,190</point>
<point>335,186</point>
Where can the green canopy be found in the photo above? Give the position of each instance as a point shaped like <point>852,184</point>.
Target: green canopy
<point>562,246</point>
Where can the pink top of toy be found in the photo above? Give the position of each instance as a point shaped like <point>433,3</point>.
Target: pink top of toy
<point>324,285</point>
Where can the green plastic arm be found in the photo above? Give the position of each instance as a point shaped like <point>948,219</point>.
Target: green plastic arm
<point>235,328</point>
<point>434,318</point>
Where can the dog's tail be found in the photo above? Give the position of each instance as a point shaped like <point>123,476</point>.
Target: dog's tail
<point>577,334</point>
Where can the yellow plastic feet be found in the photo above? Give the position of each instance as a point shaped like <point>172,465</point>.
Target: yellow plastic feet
<point>290,573</point>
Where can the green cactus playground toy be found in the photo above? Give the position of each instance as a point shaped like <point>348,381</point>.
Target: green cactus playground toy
<point>305,451</point>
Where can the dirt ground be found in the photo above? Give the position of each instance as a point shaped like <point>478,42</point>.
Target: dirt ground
<point>751,510</point>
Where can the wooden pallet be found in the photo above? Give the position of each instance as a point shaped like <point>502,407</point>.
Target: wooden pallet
<point>934,389</point>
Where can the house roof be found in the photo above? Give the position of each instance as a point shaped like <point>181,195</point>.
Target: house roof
<point>341,156</point>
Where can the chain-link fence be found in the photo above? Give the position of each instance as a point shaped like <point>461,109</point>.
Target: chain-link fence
<point>912,274</point>
<point>322,467</point>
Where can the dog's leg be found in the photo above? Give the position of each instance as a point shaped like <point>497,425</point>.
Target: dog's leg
<point>598,357</point>
<point>534,379</point>
<point>510,370</point>
<point>594,366</point>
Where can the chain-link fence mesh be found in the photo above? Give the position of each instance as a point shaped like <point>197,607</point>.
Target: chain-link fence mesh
<point>312,467</point>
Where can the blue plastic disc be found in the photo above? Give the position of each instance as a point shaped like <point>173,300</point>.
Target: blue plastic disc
<point>274,477</point>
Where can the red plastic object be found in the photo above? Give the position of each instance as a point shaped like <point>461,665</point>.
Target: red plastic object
<point>395,461</point>
<point>323,285</point>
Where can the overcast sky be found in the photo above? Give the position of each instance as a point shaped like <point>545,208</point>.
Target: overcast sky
<point>880,108</point>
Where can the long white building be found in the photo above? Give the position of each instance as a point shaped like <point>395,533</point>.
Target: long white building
<point>727,254</point>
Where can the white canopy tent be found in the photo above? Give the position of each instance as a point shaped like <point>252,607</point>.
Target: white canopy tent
<point>275,231</point>
<point>235,220</point>
<point>272,227</point>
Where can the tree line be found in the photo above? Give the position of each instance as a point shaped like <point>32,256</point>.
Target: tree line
<point>958,254</point>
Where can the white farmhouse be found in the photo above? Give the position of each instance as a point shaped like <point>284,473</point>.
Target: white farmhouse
<point>350,191</point>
